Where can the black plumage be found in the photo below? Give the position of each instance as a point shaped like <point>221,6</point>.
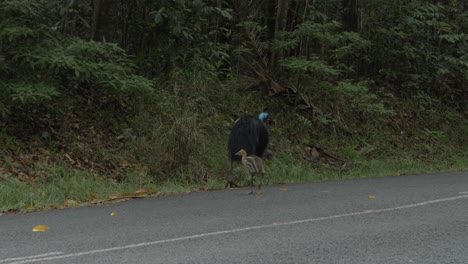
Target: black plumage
<point>249,133</point>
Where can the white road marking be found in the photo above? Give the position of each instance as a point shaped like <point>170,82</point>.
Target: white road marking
<point>310,220</point>
<point>463,192</point>
<point>31,257</point>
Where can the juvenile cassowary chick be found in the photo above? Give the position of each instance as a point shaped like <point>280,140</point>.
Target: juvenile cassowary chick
<point>254,166</point>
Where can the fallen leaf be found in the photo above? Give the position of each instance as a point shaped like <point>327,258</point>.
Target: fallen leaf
<point>118,199</point>
<point>70,203</point>
<point>151,191</point>
<point>44,151</point>
<point>97,201</point>
<point>124,163</point>
<point>283,188</point>
<point>124,195</point>
<point>113,214</point>
<point>371,197</point>
<point>140,191</point>
<point>70,159</point>
<point>259,192</point>
<point>40,228</point>
<point>140,195</point>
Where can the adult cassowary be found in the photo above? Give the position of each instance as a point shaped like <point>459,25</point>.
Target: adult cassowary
<point>249,133</point>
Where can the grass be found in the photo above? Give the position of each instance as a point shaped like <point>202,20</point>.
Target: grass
<point>61,186</point>
<point>71,189</point>
<point>286,172</point>
<point>177,144</point>
<point>65,188</point>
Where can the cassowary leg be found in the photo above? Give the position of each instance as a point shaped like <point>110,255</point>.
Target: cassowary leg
<point>230,183</point>
<point>251,184</point>
<point>260,184</point>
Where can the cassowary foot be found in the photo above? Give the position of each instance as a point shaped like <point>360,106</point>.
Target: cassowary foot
<point>252,188</point>
<point>231,184</point>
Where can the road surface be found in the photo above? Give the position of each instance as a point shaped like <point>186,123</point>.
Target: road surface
<point>405,219</point>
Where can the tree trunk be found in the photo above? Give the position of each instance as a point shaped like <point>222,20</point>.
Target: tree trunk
<point>280,25</point>
<point>107,21</point>
<point>350,15</point>
<point>94,23</point>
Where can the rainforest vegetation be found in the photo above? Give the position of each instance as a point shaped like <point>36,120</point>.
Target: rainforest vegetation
<point>106,100</point>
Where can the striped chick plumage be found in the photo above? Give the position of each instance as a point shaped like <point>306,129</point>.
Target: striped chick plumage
<point>253,164</point>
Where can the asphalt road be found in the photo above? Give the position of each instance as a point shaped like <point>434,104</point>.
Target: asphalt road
<point>406,219</point>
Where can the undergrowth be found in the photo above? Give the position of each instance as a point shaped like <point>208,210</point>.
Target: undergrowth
<point>95,111</point>
<point>168,142</point>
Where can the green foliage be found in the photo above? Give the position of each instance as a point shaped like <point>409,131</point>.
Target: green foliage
<point>315,67</point>
<point>358,97</point>
<point>368,80</point>
<point>351,47</point>
<point>317,31</point>
<point>182,32</point>
<point>24,93</point>
<point>41,64</point>
<point>322,76</point>
<point>428,52</point>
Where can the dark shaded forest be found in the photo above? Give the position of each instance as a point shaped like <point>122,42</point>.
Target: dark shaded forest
<point>153,86</point>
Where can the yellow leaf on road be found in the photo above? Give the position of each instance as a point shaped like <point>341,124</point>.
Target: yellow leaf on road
<point>371,197</point>
<point>40,228</point>
<point>113,214</point>
<point>283,188</point>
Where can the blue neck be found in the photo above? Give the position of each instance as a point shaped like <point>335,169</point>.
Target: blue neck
<point>263,116</point>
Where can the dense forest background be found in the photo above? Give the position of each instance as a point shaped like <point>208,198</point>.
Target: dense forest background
<point>151,87</point>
